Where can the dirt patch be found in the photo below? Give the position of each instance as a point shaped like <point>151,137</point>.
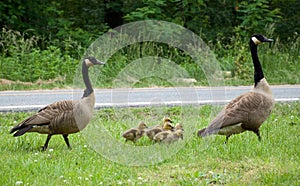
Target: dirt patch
<point>38,82</point>
<point>10,82</point>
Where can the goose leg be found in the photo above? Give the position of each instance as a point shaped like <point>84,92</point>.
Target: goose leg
<point>46,143</point>
<point>67,141</point>
<point>258,134</point>
<point>227,137</point>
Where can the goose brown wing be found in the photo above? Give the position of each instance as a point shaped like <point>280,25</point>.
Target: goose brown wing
<point>47,114</point>
<point>51,112</point>
<point>236,111</point>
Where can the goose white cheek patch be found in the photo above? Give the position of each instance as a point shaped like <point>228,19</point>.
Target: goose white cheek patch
<point>88,63</point>
<point>255,40</point>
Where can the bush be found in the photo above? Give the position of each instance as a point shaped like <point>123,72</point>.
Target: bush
<point>44,65</point>
<point>22,59</point>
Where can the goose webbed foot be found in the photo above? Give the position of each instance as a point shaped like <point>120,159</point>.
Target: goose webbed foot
<point>43,148</point>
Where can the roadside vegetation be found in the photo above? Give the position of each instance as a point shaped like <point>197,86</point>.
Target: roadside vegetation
<point>42,50</point>
<point>242,161</point>
<point>28,67</point>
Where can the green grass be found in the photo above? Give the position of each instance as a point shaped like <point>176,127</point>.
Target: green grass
<point>243,161</point>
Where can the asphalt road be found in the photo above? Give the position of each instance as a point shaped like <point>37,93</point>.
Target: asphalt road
<point>12,101</point>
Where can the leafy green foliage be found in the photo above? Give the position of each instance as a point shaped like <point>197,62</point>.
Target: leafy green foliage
<point>255,16</point>
<point>288,28</point>
<point>44,39</point>
<point>22,60</point>
<point>44,65</point>
<point>84,21</point>
<point>201,17</point>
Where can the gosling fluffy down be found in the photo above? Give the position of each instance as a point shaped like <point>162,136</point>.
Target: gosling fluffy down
<point>157,129</point>
<point>166,125</point>
<point>170,136</point>
<point>134,134</point>
<point>174,136</point>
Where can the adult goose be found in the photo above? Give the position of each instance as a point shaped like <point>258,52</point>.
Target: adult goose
<point>63,117</point>
<point>249,110</point>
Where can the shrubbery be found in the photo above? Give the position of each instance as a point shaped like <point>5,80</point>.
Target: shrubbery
<point>23,60</point>
<point>49,42</point>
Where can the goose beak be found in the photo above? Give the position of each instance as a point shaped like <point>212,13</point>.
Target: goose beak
<point>267,40</point>
<point>99,63</point>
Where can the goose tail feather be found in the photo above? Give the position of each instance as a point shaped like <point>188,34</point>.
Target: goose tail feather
<point>201,133</point>
<point>20,131</point>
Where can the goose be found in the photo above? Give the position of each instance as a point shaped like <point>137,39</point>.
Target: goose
<point>63,117</point>
<point>248,111</point>
<point>167,125</point>
<point>134,134</point>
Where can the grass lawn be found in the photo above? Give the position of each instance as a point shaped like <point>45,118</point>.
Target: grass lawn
<point>194,161</point>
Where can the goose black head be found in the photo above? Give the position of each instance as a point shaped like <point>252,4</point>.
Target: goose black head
<point>90,61</point>
<point>258,39</point>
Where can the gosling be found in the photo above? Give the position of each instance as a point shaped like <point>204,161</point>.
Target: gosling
<point>158,128</point>
<point>173,137</point>
<point>170,136</point>
<point>134,134</point>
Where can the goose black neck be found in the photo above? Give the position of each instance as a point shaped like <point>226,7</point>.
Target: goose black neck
<point>88,86</point>
<point>258,72</point>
